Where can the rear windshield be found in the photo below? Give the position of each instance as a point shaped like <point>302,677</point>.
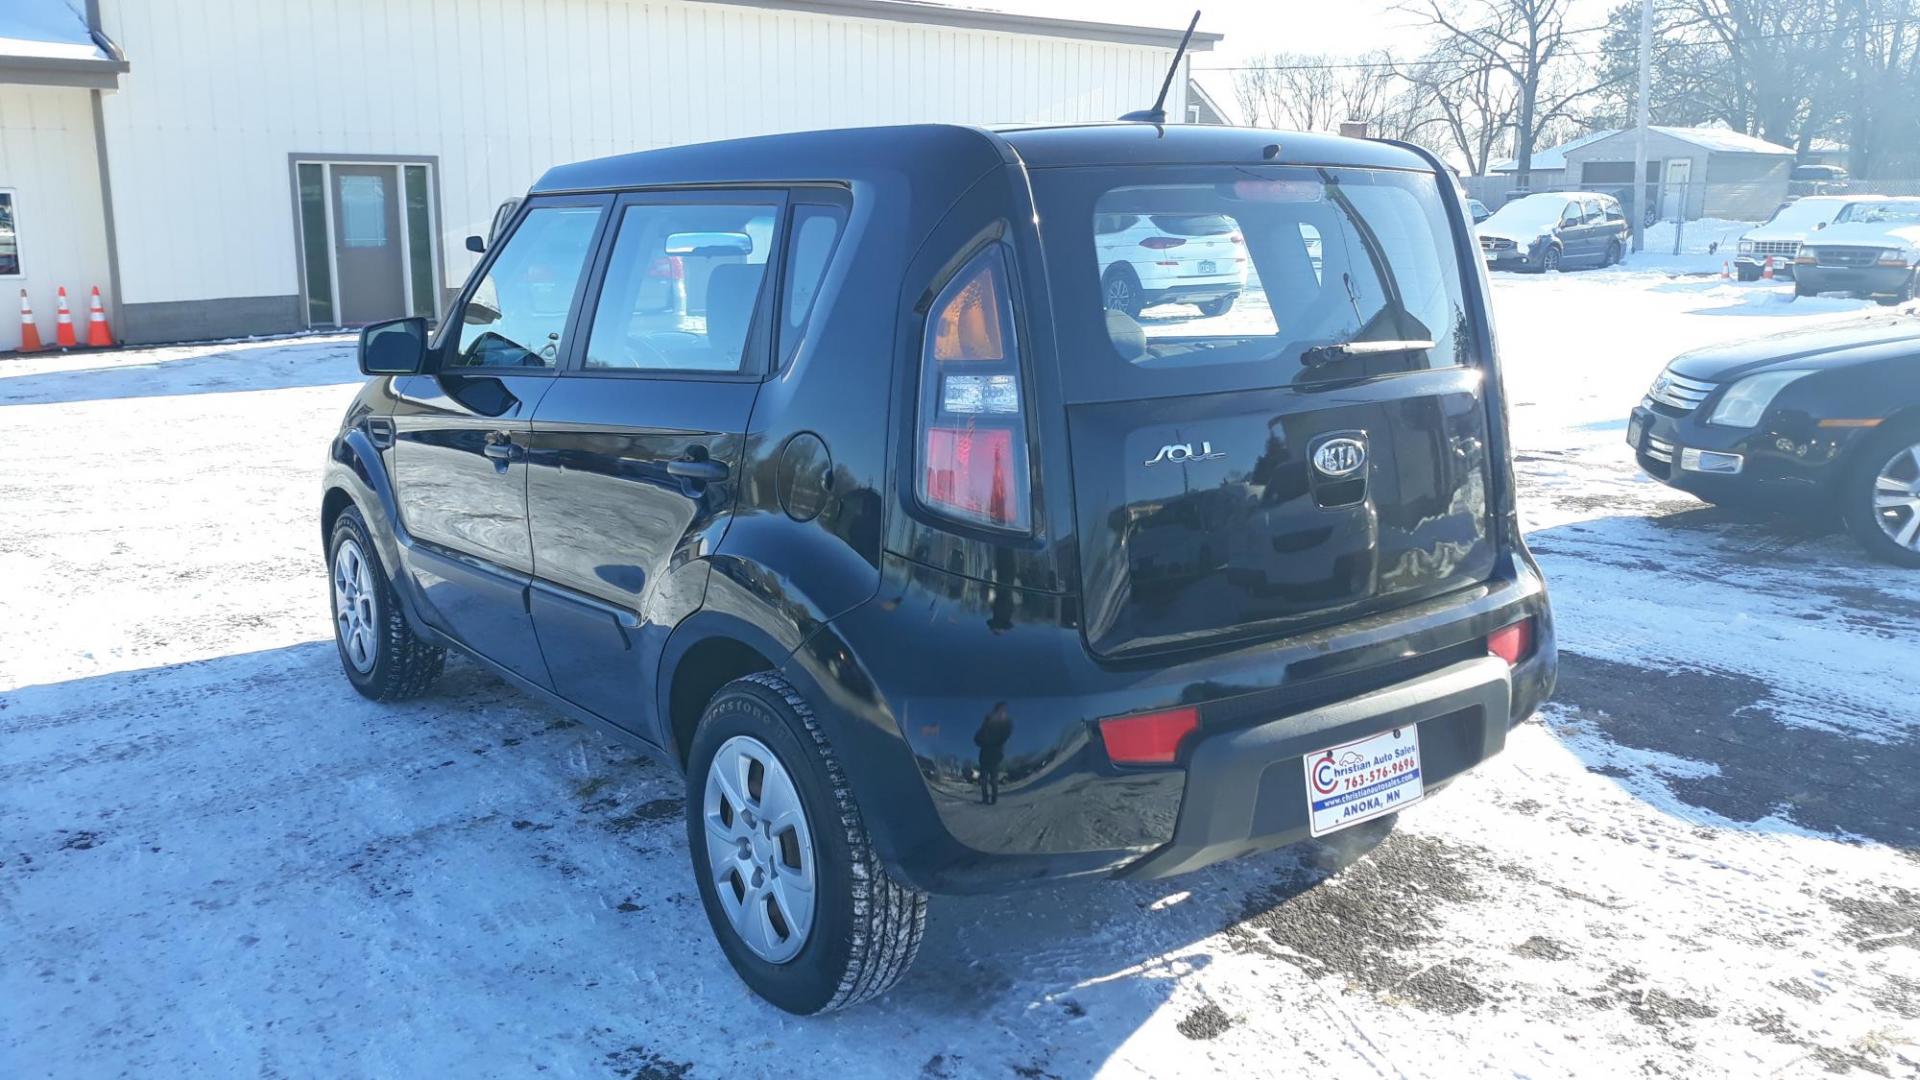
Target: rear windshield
<point>1171,281</point>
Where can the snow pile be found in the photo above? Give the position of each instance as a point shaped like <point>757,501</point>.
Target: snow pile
<point>1703,246</point>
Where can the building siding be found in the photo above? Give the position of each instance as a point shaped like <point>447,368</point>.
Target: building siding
<point>47,158</point>
<point>221,91</point>
<point>1745,187</point>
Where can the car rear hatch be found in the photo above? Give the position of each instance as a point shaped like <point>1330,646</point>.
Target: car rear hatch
<point>1316,453</point>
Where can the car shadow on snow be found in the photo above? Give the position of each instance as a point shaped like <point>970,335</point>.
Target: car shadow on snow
<point>255,798</point>
<point>166,372</point>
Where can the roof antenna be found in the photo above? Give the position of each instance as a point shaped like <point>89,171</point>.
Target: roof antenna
<point>1158,114</point>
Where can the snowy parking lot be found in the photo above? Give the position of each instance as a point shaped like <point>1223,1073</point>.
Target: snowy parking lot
<point>1703,860</point>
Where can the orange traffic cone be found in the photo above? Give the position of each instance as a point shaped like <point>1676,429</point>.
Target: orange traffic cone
<point>1725,272</point>
<point>63,323</point>
<point>1766,271</point>
<point>29,333</point>
<point>99,334</point>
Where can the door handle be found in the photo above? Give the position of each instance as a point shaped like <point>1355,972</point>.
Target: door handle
<point>500,448</point>
<point>698,470</point>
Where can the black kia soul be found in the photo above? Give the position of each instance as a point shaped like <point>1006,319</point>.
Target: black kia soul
<point>816,465</point>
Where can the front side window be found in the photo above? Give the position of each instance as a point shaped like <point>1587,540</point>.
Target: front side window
<point>518,312</point>
<point>1194,280</point>
<point>681,288</point>
<point>9,238</point>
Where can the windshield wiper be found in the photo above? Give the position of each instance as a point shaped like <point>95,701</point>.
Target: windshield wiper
<point>1321,354</point>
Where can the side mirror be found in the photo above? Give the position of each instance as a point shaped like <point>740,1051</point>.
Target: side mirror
<point>394,347</point>
<point>476,245</point>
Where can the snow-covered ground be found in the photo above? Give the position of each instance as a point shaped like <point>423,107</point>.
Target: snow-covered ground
<point>215,859</point>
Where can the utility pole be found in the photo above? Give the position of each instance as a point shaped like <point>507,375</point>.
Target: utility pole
<point>1639,209</point>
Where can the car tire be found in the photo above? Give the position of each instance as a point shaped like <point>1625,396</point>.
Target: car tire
<point>1550,259</point>
<point>863,928</point>
<point>1219,306</point>
<point>1614,253</point>
<point>1801,288</point>
<point>1120,291</point>
<point>1747,273</point>
<point>382,656</point>
<point>1886,465</point>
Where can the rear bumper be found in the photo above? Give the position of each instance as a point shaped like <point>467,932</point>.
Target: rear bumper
<point>1190,291</point>
<point>1247,791</point>
<point>1864,281</point>
<point>918,673</point>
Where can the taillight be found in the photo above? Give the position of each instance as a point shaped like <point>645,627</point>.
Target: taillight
<point>1149,738</point>
<point>1161,243</point>
<point>1512,643</point>
<point>973,427</point>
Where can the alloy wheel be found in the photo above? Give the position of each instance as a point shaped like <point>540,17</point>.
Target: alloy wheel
<point>1896,498</point>
<point>1120,294</point>
<point>759,849</point>
<point>354,610</point>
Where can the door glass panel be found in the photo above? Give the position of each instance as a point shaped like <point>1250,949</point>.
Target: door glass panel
<point>426,300</point>
<point>9,238</point>
<point>816,229</point>
<point>313,245</point>
<point>363,211</point>
<point>518,312</point>
<point>681,288</point>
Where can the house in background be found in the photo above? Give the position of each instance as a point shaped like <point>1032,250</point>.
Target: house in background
<point>1201,108</point>
<point>1692,172</point>
<point>227,167</point>
<point>1548,168</point>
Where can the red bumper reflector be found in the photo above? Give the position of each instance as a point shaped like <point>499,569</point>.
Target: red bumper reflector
<point>1149,738</point>
<point>1512,643</point>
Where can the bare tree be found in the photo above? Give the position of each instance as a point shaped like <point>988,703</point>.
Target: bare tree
<point>1523,39</point>
<point>1314,92</point>
<point>1458,93</point>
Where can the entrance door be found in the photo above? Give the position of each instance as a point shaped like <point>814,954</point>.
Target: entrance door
<point>366,244</point>
<point>366,232</point>
<point>1673,205</point>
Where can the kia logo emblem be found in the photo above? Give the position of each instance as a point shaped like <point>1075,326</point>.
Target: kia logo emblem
<point>1340,457</point>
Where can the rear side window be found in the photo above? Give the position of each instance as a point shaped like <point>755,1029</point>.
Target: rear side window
<point>1247,277</point>
<point>681,288</point>
<point>816,232</point>
<point>515,316</point>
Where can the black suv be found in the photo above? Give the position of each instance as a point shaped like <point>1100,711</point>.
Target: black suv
<point>816,465</point>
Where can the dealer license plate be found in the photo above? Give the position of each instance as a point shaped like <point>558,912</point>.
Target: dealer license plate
<point>1206,266</point>
<point>1363,779</point>
<point>1634,430</point>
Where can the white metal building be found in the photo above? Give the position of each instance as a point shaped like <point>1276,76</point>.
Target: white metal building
<point>230,167</point>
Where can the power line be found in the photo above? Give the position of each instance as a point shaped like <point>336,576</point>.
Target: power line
<point>1362,65</point>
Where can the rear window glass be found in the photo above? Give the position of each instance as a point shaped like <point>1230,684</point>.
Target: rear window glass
<point>1197,280</point>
